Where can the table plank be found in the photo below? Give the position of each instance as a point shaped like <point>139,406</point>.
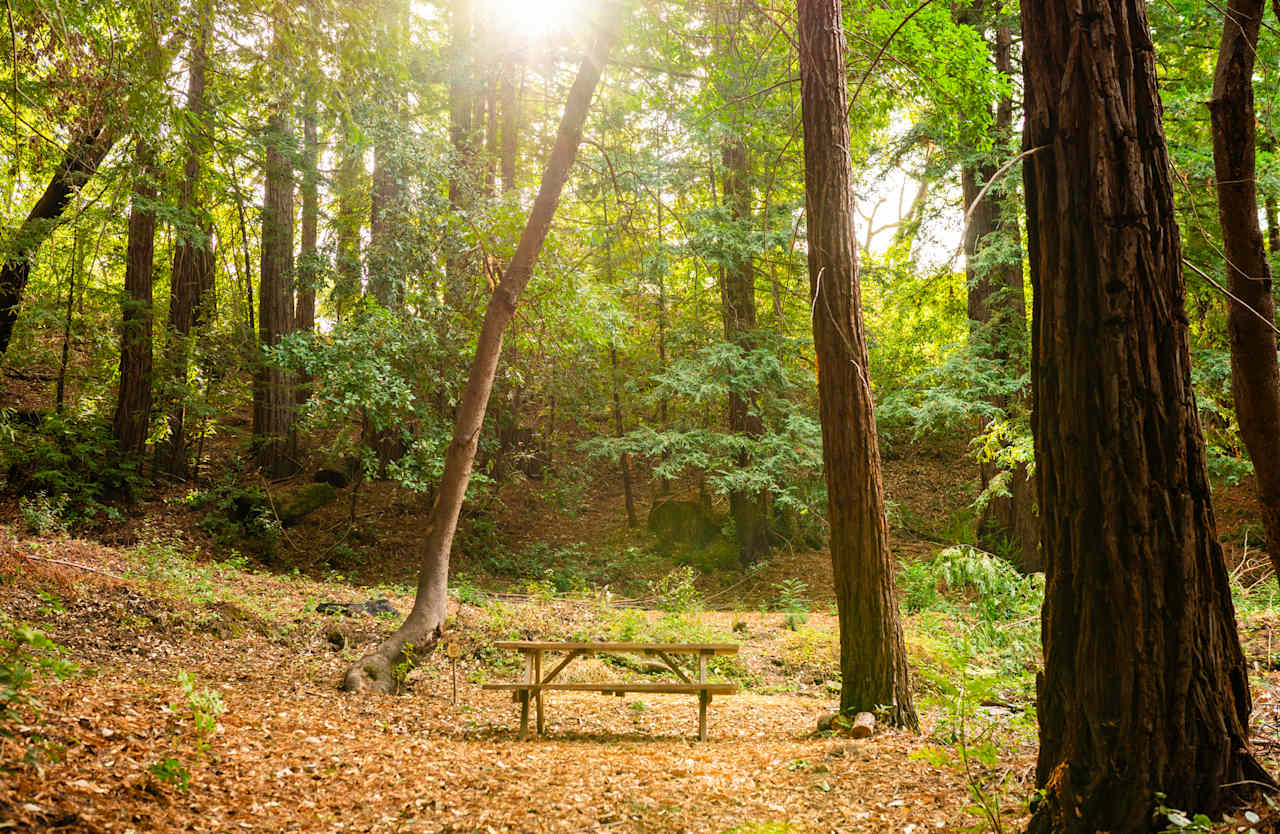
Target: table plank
<point>654,648</point>
<point>613,686</point>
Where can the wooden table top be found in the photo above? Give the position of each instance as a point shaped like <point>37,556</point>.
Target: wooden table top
<point>669,648</point>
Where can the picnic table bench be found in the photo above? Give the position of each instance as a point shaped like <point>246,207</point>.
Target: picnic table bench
<point>535,682</point>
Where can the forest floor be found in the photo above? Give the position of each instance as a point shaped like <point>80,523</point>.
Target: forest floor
<point>206,693</point>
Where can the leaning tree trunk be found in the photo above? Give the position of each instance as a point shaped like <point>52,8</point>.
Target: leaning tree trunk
<point>1144,689</point>
<point>873,659</point>
<point>1255,373</point>
<point>425,623</point>
<point>133,403</point>
<point>81,160</point>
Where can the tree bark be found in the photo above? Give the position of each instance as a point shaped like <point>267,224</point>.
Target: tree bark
<point>873,660</point>
<point>1255,372</point>
<point>133,403</point>
<point>1144,688</point>
<point>308,256</point>
<point>738,298</point>
<point>274,399</point>
<point>421,630</point>
<point>191,279</point>
<point>79,163</point>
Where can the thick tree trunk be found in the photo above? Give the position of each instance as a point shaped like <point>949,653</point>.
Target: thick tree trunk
<point>738,302</point>
<point>1145,689</point>
<point>873,660</point>
<point>133,403</point>
<point>1255,372</point>
<point>425,623</point>
<point>82,158</point>
<point>274,399</point>
<point>191,279</point>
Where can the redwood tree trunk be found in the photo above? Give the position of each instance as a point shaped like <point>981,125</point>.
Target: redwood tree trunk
<point>1255,373</point>
<point>1145,689</point>
<point>81,160</point>
<point>274,399</point>
<point>738,301</point>
<point>308,257</point>
<point>133,403</point>
<point>425,623</point>
<point>191,280</point>
<point>873,660</point>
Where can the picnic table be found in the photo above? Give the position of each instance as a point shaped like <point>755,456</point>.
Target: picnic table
<point>535,682</point>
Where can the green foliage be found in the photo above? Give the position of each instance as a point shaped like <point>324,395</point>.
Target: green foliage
<point>202,706</point>
<point>373,377</point>
<point>1211,376</point>
<point>69,470</point>
<point>44,515</point>
<point>235,513</point>
<point>26,653</point>
<point>172,772</point>
<point>676,592</point>
<point>793,601</point>
<point>784,460</point>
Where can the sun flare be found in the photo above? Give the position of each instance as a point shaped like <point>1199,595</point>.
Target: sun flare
<point>535,19</point>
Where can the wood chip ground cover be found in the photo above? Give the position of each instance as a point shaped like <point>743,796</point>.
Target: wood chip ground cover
<point>291,753</point>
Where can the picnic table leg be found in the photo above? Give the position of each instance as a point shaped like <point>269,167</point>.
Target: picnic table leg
<point>537,678</point>
<point>704,698</point>
<point>524,698</point>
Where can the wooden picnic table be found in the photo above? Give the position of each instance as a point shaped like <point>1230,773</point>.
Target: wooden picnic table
<point>535,683</point>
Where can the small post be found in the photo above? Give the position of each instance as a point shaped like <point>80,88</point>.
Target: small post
<point>452,649</point>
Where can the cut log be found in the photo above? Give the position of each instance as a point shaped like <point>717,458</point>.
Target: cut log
<point>864,724</point>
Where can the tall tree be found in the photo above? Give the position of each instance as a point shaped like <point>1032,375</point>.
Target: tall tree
<point>1144,689</point>
<point>79,162</point>
<point>191,280</point>
<point>873,659</point>
<point>274,399</point>
<point>1255,372</point>
<point>738,294</point>
<point>308,254</point>
<point>421,630</point>
<point>133,402</point>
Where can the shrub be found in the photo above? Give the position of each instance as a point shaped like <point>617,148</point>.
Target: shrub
<point>25,653</point>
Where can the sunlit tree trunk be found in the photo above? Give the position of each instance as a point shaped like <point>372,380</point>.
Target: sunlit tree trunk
<point>425,623</point>
<point>873,659</point>
<point>1144,689</point>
